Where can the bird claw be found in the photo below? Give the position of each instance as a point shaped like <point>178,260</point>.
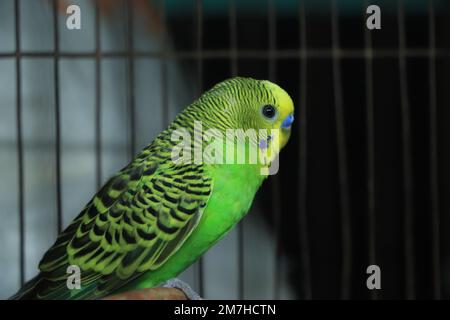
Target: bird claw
<point>183,286</point>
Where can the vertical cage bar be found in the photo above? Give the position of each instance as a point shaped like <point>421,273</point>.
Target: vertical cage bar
<point>275,191</point>
<point>199,45</point>
<point>234,72</point>
<point>407,161</point>
<point>20,172</point>
<point>57,116</point>
<point>272,39</point>
<point>370,122</point>
<point>342,157</point>
<point>164,67</point>
<point>434,183</point>
<point>98,101</point>
<point>303,217</point>
<point>130,67</point>
<point>233,37</point>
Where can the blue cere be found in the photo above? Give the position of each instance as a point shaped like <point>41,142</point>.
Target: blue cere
<point>288,122</point>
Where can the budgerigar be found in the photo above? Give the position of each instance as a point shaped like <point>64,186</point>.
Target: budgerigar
<point>157,216</point>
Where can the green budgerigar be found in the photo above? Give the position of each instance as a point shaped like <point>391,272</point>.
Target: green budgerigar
<point>157,216</point>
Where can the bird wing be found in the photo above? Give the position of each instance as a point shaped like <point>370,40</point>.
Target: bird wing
<point>133,224</point>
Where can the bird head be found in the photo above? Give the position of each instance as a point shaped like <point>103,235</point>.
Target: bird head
<point>246,103</point>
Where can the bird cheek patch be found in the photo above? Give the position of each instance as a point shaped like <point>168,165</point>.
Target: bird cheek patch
<point>269,148</point>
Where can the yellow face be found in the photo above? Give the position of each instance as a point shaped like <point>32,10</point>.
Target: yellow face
<point>282,116</point>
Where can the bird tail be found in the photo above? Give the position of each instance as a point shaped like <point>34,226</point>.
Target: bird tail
<point>27,292</point>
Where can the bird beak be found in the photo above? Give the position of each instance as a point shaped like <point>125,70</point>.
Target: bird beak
<point>287,122</point>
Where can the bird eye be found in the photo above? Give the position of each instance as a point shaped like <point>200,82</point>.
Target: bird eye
<point>269,111</point>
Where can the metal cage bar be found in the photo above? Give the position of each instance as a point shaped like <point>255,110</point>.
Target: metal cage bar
<point>407,161</point>
<point>130,85</point>
<point>275,187</point>
<point>344,195</point>
<point>303,172</point>
<point>311,53</point>
<point>98,100</point>
<point>370,122</point>
<point>57,117</point>
<point>19,137</point>
<point>200,57</point>
<point>233,37</point>
<point>434,176</point>
<point>234,72</point>
<point>164,67</point>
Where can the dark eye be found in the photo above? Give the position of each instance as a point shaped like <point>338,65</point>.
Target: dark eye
<point>268,111</point>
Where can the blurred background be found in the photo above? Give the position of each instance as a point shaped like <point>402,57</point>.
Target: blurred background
<point>363,180</point>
